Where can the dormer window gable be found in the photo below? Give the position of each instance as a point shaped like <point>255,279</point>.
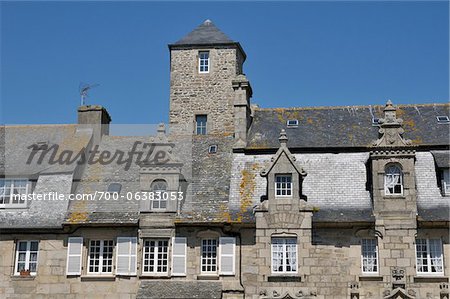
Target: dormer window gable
<point>14,192</point>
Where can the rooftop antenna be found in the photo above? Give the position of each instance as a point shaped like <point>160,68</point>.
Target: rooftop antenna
<point>84,88</point>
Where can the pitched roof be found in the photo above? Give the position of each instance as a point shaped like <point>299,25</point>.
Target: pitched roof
<point>206,33</point>
<point>339,127</point>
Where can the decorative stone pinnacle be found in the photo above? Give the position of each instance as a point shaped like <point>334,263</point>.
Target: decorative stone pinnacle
<point>161,129</point>
<point>207,22</point>
<point>391,131</point>
<point>283,137</point>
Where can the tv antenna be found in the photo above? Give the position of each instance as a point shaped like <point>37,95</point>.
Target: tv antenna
<point>84,88</point>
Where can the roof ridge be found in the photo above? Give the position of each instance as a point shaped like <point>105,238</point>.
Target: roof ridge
<point>349,106</point>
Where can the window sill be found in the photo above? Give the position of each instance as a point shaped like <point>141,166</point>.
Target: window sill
<point>284,278</point>
<point>430,278</point>
<point>155,276</point>
<point>98,278</point>
<point>22,278</point>
<point>370,277</point>
<point>208,277</point>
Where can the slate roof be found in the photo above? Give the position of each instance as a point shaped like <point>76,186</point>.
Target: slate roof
<point>46,177</point>
<point>205,34</point>
<point>339,127</point>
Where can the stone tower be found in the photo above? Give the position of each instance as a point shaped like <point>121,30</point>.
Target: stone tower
<point>207,85</point>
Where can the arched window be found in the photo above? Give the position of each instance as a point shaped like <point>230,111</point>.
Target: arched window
<point>393,180</point>
<point>159,189</point>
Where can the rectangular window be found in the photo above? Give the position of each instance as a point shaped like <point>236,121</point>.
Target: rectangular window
<point>12,193</point>
<point>209,256</point>
<point>203,62</point>
<point>100,256</point>
<point>284,255</point>
<point>155,256</point>
<point>429,256</point>
<point>369,255</point>
<point>200,124</point>
<point>283,185</point>
<point>26,257</point>
<point>445,181</point>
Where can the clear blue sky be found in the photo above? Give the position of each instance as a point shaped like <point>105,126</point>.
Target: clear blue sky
<point>298,54</point>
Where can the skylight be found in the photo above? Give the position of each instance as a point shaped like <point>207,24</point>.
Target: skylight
<point>443,119</point>
<point>375,121</point>
<point>292,123</point>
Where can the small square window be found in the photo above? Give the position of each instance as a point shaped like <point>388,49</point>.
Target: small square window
<point>375,121</point>
<point>283,185</point>
<point>212,149</point>
<point>292,123</point>
<point>200,124</point>
<point>203,62</point>
<point>443,119</point>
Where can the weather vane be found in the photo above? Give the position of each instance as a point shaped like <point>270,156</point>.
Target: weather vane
<point>84,88</point>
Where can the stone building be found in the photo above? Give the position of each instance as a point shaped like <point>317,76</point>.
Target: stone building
<point>321,202</point>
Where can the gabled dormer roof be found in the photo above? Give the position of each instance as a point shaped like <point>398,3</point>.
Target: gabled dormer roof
<point>283,150</point>
<point>206,33</point>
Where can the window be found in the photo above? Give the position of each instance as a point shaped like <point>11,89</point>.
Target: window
<point>13,193</point>
<point>283,185</point>
<point>429,256</point>
<point>375,121</point>
<point>200,124</point>
<point>292,123</point>
<point>284,255</point>
<point>155,257</point>
<point>100,256</point>
<point>203,62</point>
<point>209,256</point>
<point>393,180</point>
<point>443,119</point>
<point>26,257</point>
<point>159,189</point>
<point>212,149</point>
<point>445,181</point>
<point>114,188</point>
<point>369,255</point>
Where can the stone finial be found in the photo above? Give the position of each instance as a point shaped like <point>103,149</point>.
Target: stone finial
<point>207,22</point>
<point>391,131</point>
<point>283,138</point>
<point>161,129</point>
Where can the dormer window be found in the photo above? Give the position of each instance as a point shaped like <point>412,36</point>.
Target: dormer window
<point>203,62</point>
<point>292,123</point>
<point>393,180</point>
<point>283,185</point>
<point>159,189</point>
<point>13,193</point>
<point>375,121</point>
<point>443,119</point>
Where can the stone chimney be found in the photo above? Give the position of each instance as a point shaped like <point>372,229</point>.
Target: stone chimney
<point>95,117</point>
<point>242,110</point>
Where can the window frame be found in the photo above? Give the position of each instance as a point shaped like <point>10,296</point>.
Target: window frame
<point>363,257</point>
<point>158,193</point>
<point>101,260</point>
<point>155,259</point>
<point>27,257</point>
<point>400,183</point>
<point>429,264</point>
<point>289,189</point>
<point>201,129</point>
<point>11,205</point>
<point>284,271</point>
<point>216,257</point>
<point>204,63</point>
<point>445,186</point>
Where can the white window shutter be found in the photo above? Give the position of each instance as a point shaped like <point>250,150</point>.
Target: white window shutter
<point>126,256</point>
<point>74,255</point>
<point>179,247</point>
<point>227,248</point>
